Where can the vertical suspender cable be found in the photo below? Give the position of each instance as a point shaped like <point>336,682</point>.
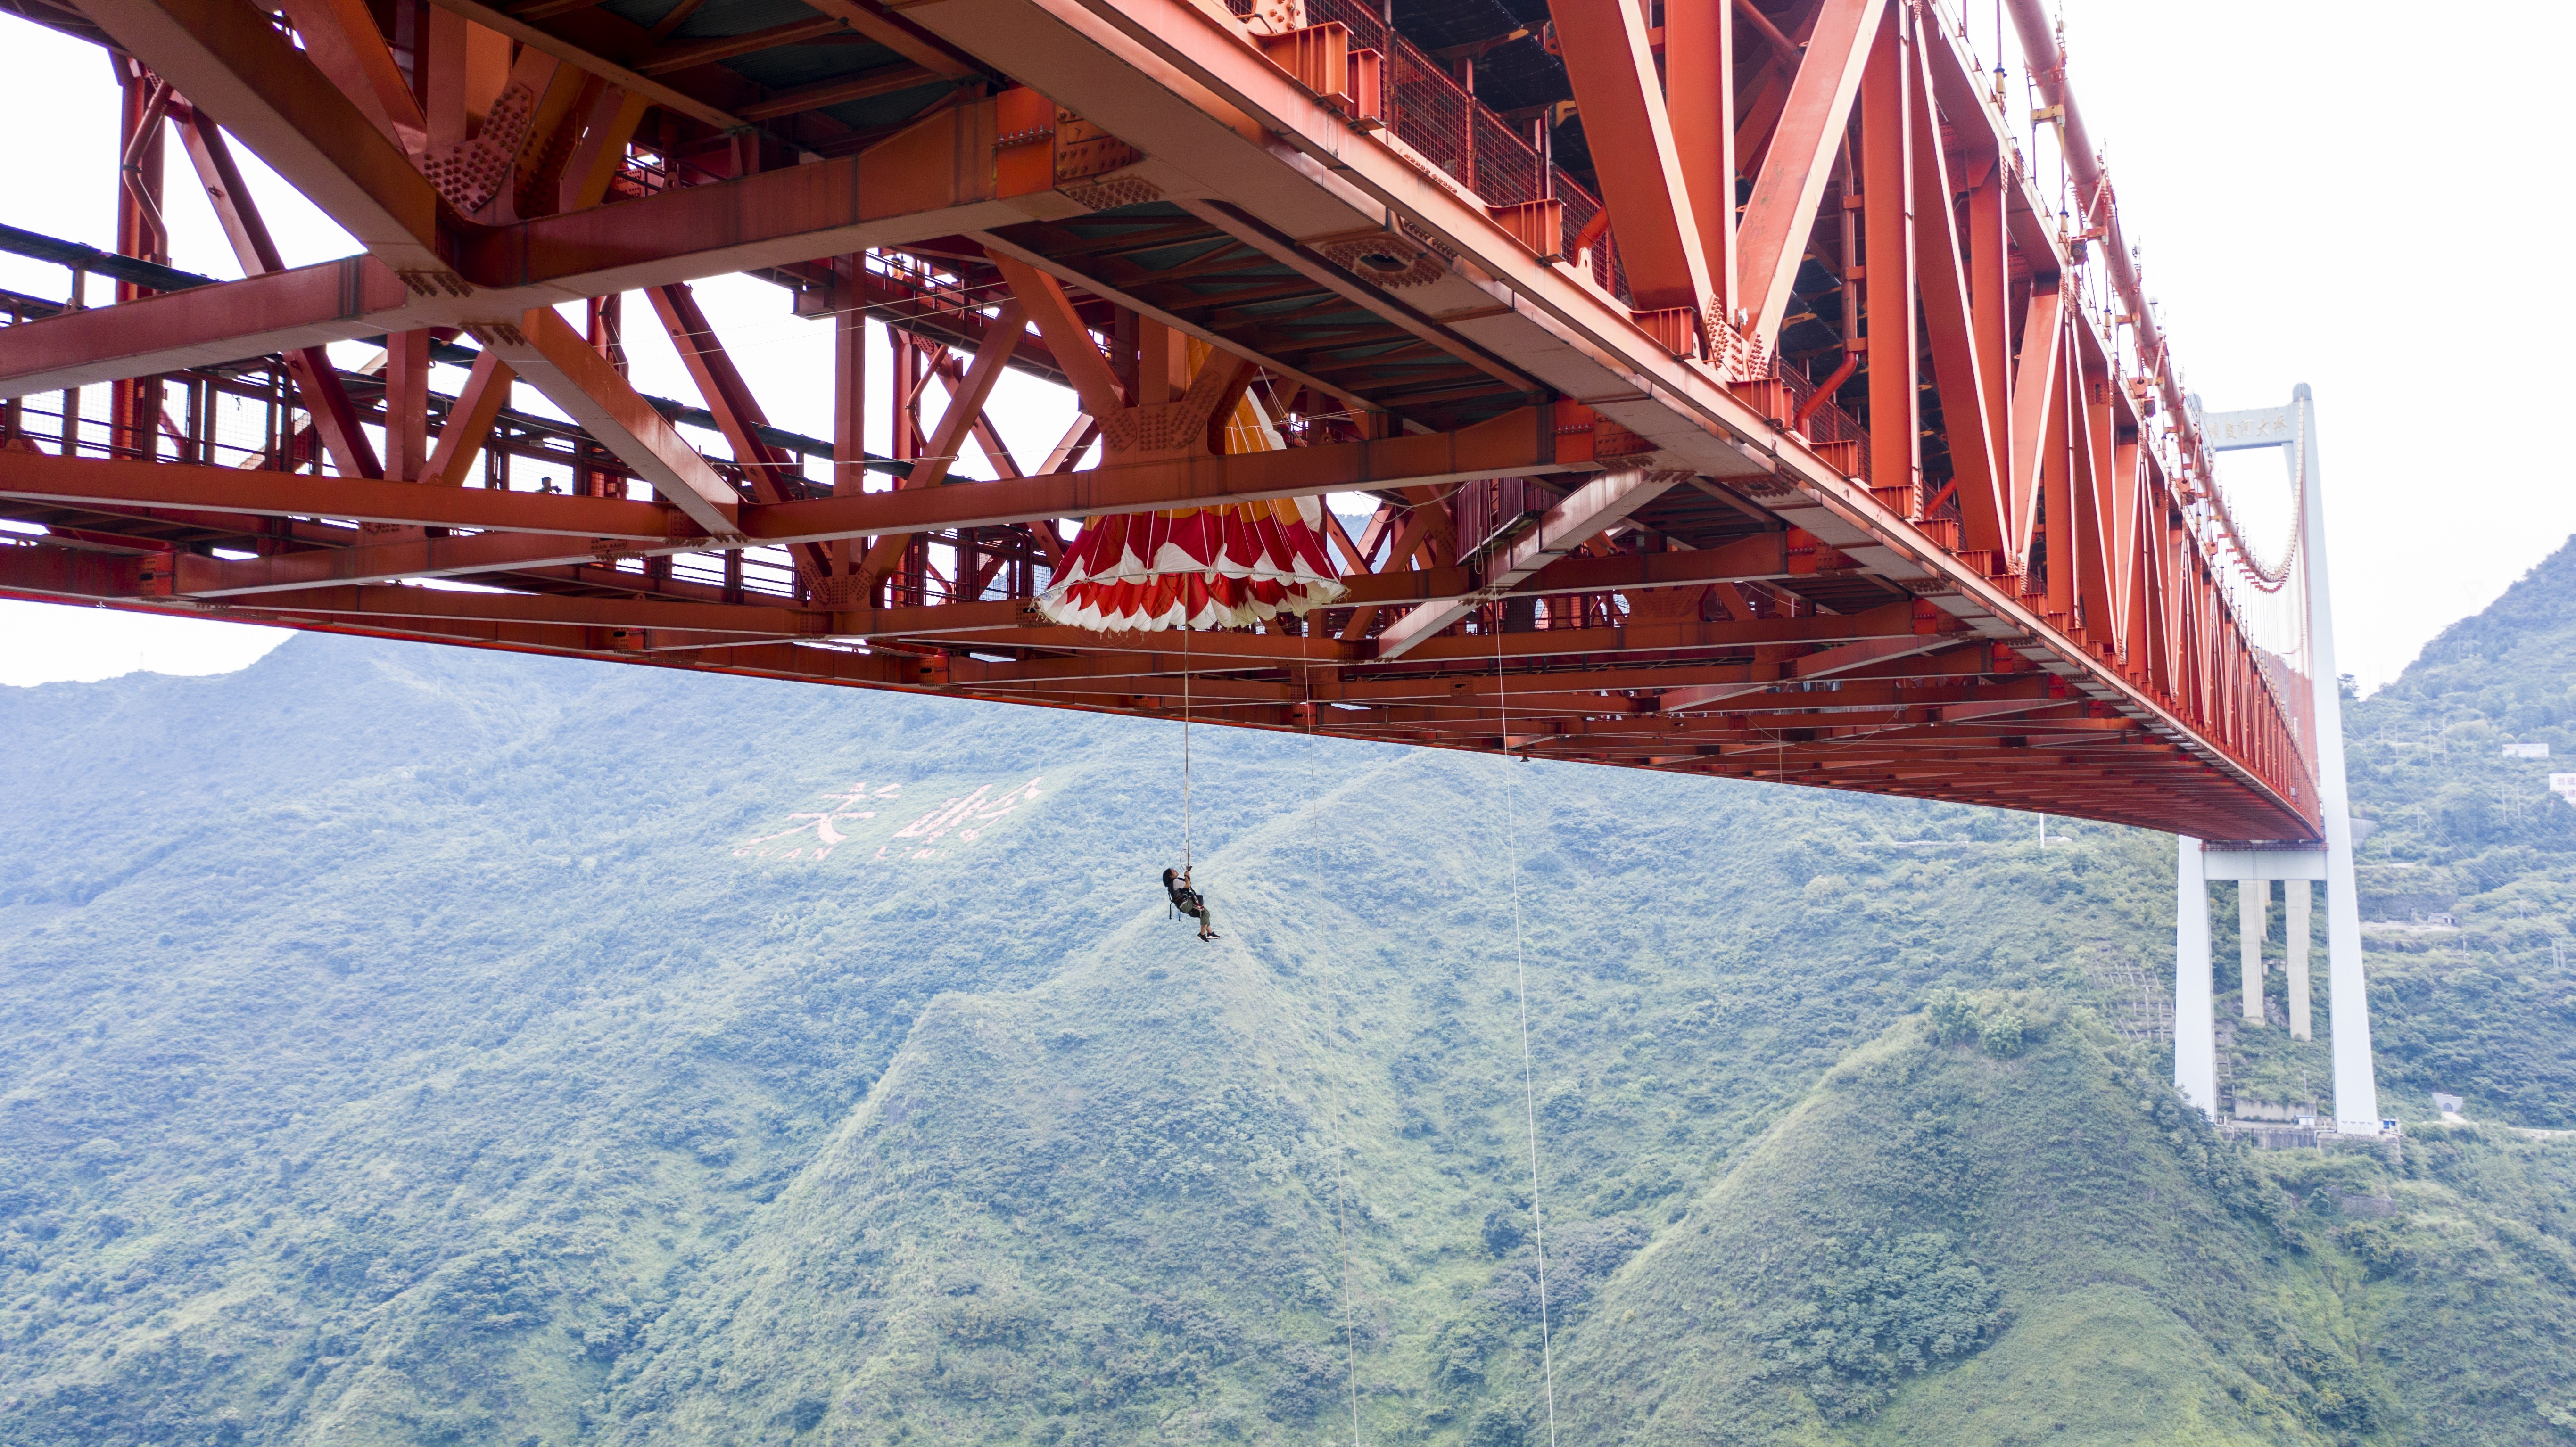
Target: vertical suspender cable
<point>1520,990</point>
<point>1332,1050</point>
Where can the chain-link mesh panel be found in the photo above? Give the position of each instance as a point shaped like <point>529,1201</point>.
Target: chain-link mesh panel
<point>1430,110</point>
<point>1507,166</point>
<point>1368,30</point>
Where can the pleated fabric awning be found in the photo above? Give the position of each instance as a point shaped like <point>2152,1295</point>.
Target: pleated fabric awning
<point>1231,566</point>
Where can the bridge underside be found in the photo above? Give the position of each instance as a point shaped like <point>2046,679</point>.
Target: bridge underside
<point>1632,469</point>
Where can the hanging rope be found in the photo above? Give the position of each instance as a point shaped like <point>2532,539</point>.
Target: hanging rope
<point>1520,990</point>
<point>1332,1054</point>
<point>1185,747</point>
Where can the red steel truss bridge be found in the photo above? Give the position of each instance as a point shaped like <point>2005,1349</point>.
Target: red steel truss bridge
<point>1759,389</point>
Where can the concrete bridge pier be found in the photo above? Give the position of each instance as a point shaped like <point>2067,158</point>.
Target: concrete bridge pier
<point>2294,910</point>
<point>2195,1005</point>
<point>2253,921</point>
<point>2254,868</point>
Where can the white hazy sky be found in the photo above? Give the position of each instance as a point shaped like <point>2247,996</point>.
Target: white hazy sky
<point>2343,194</point>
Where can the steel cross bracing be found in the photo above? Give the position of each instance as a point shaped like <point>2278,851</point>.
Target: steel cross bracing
<point>1726,359</point>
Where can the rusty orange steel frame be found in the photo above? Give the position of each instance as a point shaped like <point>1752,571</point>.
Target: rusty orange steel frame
<point>1726,400</point>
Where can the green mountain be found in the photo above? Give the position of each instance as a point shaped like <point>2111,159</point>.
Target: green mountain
<point>401,1045</point>
<point>2485,1010</point>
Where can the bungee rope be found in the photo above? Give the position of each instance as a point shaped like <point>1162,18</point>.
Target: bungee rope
<point>1520,991</point>
<point>1332,1071</point>
<point>1185,741</point>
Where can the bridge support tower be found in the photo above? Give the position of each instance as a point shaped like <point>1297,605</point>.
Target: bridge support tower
<point>2254,864</point>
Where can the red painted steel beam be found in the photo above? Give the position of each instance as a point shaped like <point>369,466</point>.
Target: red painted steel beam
<point>228,56</point>
<point>1699,99</point>
<point>1518,444</point>
<point>729,399</point>
<point>1896,619</point>
<point>341,39</point>
<point>994,623</point>
<point>389,602</point>
<point>1847,658</point>
<point>2038,380</point>
<point>1597,506</point>
<point>546,352</point>
<point>469,422</point>
<point>175,576</point>
<point>1645,180</point>
<point>1086,371</point>
<point>1949,323</point>
<point>1772,238</point>
<point>195,577</point>
<point>934,179</point>
<point>335,418</point>
<point>1470,689</point>
<point>280,312</point>
<point>108,481</point>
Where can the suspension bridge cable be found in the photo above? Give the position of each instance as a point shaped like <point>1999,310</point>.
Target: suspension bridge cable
<point>1520,991</point>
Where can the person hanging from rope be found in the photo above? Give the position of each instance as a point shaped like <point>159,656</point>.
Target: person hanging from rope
<point>1176,883</point>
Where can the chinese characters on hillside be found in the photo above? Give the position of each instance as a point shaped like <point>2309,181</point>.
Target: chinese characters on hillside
<point>843,818</point>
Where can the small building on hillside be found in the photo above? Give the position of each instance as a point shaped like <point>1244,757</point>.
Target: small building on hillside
<point>2564,786</point>
<point>2526,751</point>
<point>2249,1108</point>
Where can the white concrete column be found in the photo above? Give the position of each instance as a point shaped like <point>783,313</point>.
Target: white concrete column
<point>2253,921</point>
<point>2356,1082</point>
<point>2195,1005</point>
<point>2347,993</point>
<point>2294,911</point>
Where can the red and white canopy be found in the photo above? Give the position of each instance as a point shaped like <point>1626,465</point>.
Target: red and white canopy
<point>1212,567</point>
<point>1230,566</point>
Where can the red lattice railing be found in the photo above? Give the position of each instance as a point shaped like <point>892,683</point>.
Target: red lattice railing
<point>1429,111</point>
<point>1581,207</point>
<point>1506,165</point>
<point>1432,114</point>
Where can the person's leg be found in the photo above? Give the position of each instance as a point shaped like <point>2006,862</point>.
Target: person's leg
<point>1207,919</point>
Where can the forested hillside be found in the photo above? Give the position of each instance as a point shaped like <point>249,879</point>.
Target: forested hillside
<point>402,1046</point>
<point>2486,1010</point>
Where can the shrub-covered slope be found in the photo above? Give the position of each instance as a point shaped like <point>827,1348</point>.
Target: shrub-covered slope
<point>1983,1248</point>
<point>2486,1009</point>
<point>412,1045</point>
<point>401,1045</point>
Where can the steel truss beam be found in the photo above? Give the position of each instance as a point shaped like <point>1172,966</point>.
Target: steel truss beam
<point>1685,565</point>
